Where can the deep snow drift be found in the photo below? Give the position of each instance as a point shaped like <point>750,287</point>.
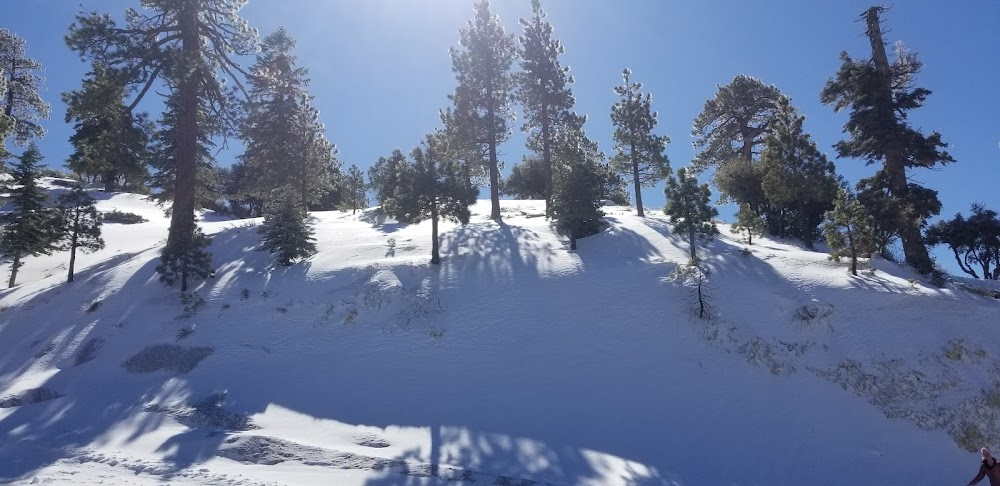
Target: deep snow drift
<point>514,362</point>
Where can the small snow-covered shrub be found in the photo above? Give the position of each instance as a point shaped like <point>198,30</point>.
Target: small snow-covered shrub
<point>94,306</point>
<point>122,217</point>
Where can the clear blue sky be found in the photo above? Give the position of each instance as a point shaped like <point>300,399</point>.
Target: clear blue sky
<point>381,70</point>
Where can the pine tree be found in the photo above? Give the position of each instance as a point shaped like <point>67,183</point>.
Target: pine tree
<point>796,174</point>
<point>434,187</point>
<point>286,231</point>
<point>640,153</point>
<point>23,107</point>
<point>690,210</point>
<point>482,108</point>
<point>164,152</point>
<point>874,195</point>
<point>580,184</point>
<point>384,176</point>
<point>286,148</point>
<point>527,180</point>
<point>734,122</point>
<point>110,142</point>
<point>974,241</point>
<point>193,44</point>
<point>81,225</point>
<point>181,264</point>
<point>879,95</point>
<point>233,182</point>
<point>848,230</point>
<point>29,228</point>
<point>543,91</point>
<point>356,189</point>
<point>747,220</point>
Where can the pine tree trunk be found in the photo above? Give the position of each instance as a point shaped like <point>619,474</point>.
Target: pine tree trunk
<point>692,240</point>
<point>435,246</point>
<point>572,239</point>
<point>547,158</point>
<point>635,179</point>
<point>804,229</point>
<point>747,150</point>
<point>181,234</point>
<point>13,271</point>
<point>494,164</point>
<point>73,244</point>
<point>895,160</point>
<point>9,105</point>
<point>109,181</point>
<point>853,249</point>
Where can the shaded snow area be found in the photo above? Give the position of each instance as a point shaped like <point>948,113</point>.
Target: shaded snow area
<point>514,362</point>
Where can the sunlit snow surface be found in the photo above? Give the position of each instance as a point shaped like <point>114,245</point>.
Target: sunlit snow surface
<point>515,360</point>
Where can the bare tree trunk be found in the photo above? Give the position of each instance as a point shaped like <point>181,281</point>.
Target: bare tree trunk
<point>692,240</point>
<point>635,180</point>
<point>181,234</point>
<point>73,243</point>
<point>804,228</point>
<point>494,163</point>
<point>547,158</point>
<point>895,160</point>
<point>435,245</point>
<point>854,251</point>
<point>13,270</point>
<point>9,105</point>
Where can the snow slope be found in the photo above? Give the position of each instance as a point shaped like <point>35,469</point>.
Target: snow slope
<point>514,362</point>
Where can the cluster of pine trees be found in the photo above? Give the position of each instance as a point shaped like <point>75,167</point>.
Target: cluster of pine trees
<point>750,136</point>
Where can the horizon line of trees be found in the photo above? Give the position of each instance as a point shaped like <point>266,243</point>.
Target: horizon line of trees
<point>749,136</point>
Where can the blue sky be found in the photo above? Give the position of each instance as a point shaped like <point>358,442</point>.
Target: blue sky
<point>380,68</point>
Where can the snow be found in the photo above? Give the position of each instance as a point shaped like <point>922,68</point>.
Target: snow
<point>516,360</point>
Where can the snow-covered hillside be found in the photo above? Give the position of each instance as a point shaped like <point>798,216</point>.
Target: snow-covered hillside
<point>514,362</point>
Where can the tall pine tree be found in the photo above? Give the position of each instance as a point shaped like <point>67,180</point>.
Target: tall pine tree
<point>21,104</point>
<point>384,177</point>
<point>356,189</point>
<point>734,123</point>
<point>581,183</point>
<point>879,96</point>
<point>543,91</point>
<point>482,108</point>
<point>434,187</point>
<point>286,148</point>
<point>797,175</point>
<point>690,209</point>
<point>164,151</point>
<point>81,225</point>
<point>110,143</point>
<point>29,228</point>
<point>192,45</point>
<point>640,153</point>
